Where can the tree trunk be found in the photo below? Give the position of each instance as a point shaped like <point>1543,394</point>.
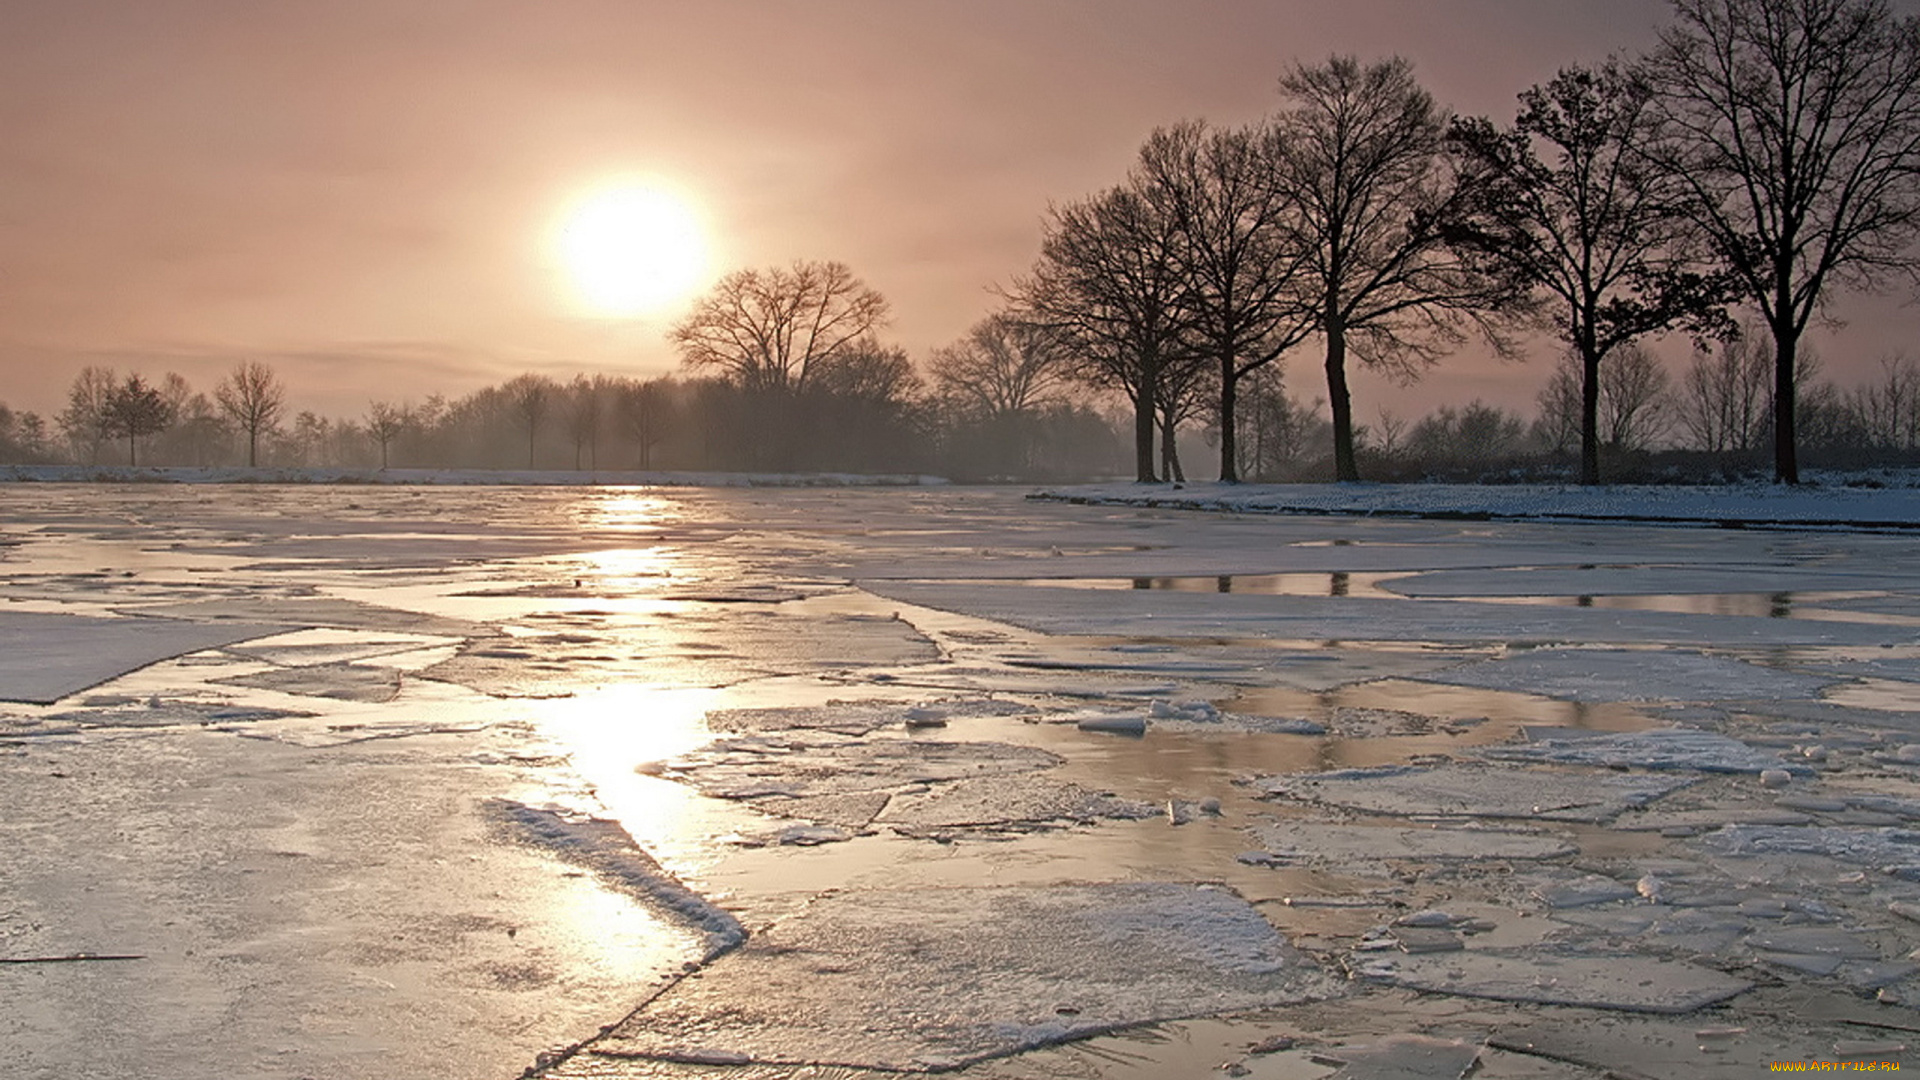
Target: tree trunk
<point>1229,444</point>
<point>1786,462</point>
<point>1143,437</point>
<point>253,447</point>
<point>1170,451</point>
<point>132,456</point>
<point>1589,415</point>
<point>1340,401</point>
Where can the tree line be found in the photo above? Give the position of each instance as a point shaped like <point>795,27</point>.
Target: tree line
<point>1725,186</point>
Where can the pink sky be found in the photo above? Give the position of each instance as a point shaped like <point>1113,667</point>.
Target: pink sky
<point>360,191</point>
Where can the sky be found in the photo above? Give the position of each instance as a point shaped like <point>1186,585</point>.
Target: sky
<point>365,194</point>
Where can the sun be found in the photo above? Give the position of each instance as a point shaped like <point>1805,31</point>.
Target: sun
<point>632,250</point>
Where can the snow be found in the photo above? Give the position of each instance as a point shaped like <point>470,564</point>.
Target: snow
<point>1751,504</point>
<point>168,474</point>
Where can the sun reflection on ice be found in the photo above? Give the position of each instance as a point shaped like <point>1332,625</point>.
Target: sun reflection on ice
<point>628,510</point>
<point>611,733</point>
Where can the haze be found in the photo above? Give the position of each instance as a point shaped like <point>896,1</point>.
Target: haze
<point>365,194</point>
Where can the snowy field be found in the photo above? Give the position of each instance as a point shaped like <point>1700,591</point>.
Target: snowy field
<point>350,781</point>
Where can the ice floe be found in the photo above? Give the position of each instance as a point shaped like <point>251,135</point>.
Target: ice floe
<point>1475,791</point>
<point>1633,675</point>
<point>931,979</point>
<point>1661,748</point>
<point>46,657</point>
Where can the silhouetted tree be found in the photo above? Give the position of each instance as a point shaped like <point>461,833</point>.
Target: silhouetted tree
<point>1109,286</point>
<point>586,406</point>
<point>1795,125</point>
<point>252,397</point>
<point>385,423</point>
<point>84,421</point>
<point>1593,224</point>
<point>1633,406</point>
<point>1724,396</point>
<point>135,410</point>
<point>772,330</point>
<point>528,397</point>
<point>1360,162</point>
<point>1243,264</point>
<point>643,409</point>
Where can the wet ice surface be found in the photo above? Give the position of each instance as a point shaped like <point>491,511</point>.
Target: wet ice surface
<point>407,782</point>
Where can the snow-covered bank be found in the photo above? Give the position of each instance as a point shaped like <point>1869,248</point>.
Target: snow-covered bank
<point>167,474</point>
<point>1848,503</point>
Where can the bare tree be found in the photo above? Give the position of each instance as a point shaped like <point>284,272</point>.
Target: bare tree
<point>135,410</point>
<point>1361,164</point>
<point>1795,125</point>
<point>642,411</point>
<point>1109,286</point>
<point>252,397</point>
<point>1002,367</point>
<point>528,397</point>
<point>84,421</point>
<point>385,423</point>
<point>1889,408</point>
<point>586,406</point>
<point>1724,395</point>
<point>1594,225</point>
<point>772,330</point>
<point>1244,266</point>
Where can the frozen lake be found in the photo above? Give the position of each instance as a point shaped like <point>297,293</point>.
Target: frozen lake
<point>345,782</point>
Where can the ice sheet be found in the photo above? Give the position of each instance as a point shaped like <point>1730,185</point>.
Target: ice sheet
<point>1293,618</point>
<point>1470,791</point>
<point>1363,844</point>
<point>45,657</point>
<point>924,979</point>
<point>818,763</point>
<point>1663,748</point>
<point>1626,983</point>
<point>1633,675</point>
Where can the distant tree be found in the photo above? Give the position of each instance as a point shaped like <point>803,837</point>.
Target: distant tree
<point>1594,224</point>
<point>1360,162</point>
<point>251,396</point>
<point>1001,368</point>
<point>135,410</point>
<point>23,436</point>
<point>586,406</point>
<point>385,423</point>
<point>1475,435</point>
<point>1109,287</point>
<point>1724,396</point>
<point>642,410</point>
<point>84,421</point>
<point>773,330</point>
<point>1243,264</point>
<point>1633,403</point>
<point>528,397</point>
<point>1795,126</point>
<point>1889,408</point>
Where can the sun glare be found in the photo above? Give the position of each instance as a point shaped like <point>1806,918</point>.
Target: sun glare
<point>632,250</point>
